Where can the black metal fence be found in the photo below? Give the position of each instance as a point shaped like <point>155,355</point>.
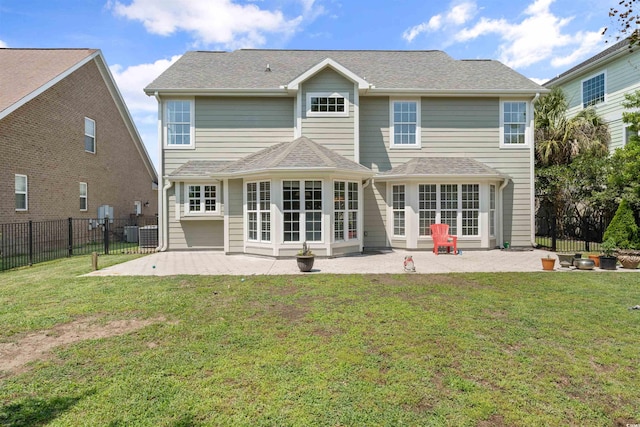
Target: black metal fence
<point>28,243</point>
<point>573,232</point>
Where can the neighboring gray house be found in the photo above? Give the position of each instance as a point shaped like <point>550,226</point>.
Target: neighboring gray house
<point>347,150</point>
<point>601,81</point>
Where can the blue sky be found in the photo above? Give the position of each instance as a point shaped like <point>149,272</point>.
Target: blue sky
<point>141,38</point>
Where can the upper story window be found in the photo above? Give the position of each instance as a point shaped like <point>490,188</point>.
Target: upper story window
<point>201,199</point>
<point>21,191</point>
<point>593,90</point>
<point>327,104</point>
<point>89,135</point>
<point>179,123</point>
<point>404,124</point>
<point>514,123</point>
<point>84,199</point>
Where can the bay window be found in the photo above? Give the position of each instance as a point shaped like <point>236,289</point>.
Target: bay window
<point>345,199</point>
<point>259,211</point>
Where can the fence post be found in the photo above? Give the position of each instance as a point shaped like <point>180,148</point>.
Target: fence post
<point>554,237</point>
<point>70,236</point>
<point>106,235</point>
<point>30,243</point>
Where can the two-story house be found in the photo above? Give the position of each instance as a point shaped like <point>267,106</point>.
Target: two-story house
<point>346,150</point>
<point>602,81</point>
<point>67,142</point>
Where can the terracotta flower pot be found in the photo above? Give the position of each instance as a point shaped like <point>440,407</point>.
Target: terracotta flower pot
<point>548,263</point>
<point>596,259</point>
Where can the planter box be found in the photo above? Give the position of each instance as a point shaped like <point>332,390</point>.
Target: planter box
<point>608,262</point>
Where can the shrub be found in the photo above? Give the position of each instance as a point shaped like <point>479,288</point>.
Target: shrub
<point>623,229</point>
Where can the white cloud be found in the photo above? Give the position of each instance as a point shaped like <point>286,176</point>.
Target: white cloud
<point>3,44</point>
<point>458,14</point>
<point>221,22</point>
<point>144,109</point>
<point>132,80</point>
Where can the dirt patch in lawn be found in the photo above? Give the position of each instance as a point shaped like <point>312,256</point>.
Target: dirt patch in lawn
<point>14,355</point>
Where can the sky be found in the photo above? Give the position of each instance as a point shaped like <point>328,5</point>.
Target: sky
<point>141,38</point>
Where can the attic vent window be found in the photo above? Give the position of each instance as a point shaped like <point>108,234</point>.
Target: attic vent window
<point>327,104</point>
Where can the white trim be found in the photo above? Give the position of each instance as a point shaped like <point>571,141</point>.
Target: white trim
<point>297,116</point>
<point>202,213</point>
<point>92,136</point>
<point>528,131</point>
<point>343,95</point>
<point>258,211</point>
<point>418,143</point>
<point>86,196</point>
<point>295,83</point>
<point>226,231</point>
<point>26,192</point>
<point>604,95</point>
<point>356,124</point>
<point>47,85</point>
<point>192,119</point>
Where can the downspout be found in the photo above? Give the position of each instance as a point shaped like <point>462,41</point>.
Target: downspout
<point>164,219</point>
<point>500,202</point>
<point>163,228</point>
<point>533,173</point>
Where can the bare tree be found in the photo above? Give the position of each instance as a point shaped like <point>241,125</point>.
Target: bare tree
<point>627,21</point>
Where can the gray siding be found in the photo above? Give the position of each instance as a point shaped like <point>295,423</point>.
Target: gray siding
<point>231,128</point>
<point>375,215</point>
<point>235,212</point>
<point>336,133</point>
<point>465,127</point>
<point>193,234</point>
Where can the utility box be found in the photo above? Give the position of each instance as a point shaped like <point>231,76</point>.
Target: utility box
<point>131,233</point>
<point>148,236</point>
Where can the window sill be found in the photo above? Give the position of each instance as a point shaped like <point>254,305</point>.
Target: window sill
<point>405,147</point>
<point>180,147</point>
<point>515,146</point>
<point>216,217</point>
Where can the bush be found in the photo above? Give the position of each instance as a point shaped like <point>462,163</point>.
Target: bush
<point>623,229</point>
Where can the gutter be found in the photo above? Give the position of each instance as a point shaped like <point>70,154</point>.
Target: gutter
<point>532,177</point>
<point>163,225</point>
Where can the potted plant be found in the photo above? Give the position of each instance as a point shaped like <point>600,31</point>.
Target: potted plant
<point>548,263</point>
<point>305,258</point>
<point>628,258</point>
<point>608,261</point>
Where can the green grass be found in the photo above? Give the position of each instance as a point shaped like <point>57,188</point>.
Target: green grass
<point>323,350</point>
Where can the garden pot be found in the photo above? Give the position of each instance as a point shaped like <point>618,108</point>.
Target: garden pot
<point>305,262</point>
<point>596,259</point>
<point>629,261</point>
<point>566,260</point>
<point>608,262</point>
<point>548,263</point>
<point>584,264</point>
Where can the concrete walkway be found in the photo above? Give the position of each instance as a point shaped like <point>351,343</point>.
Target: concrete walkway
<point>216,263</point>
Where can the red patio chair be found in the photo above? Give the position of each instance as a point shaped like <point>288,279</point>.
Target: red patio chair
<point>441,237</point>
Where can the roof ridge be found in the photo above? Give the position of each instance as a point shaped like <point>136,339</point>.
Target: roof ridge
<point>318,150</point>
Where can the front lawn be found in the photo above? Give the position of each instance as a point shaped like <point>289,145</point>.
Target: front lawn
<point>322,350</point>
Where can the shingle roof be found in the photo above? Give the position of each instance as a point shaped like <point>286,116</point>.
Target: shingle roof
<point>441,166</point>
<point>22,71</point>
<point>394,70</point>
<point>298,155</point>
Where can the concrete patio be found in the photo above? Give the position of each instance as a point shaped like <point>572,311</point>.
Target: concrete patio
<point>216,263</point>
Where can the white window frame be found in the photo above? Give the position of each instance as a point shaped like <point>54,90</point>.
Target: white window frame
<point>456,222</point>
<point>84,196</point>
<point>348,207</point>
<point>167,123</point>
<point>24,192</point>
<point>399,207</point>
<point>262,210</point>
<point>604,88</point>
<point>302,211</point>
<point>334,95</point>
<point>423,223</point>
<point>202,199</point>
<point>527,123</point>
<point>89,135</point>
<point>392,142</point>
<point>469,206</point>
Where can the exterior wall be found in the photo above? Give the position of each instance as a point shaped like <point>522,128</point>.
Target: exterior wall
<point>236,216</point>
<point>464,127</point>
<point>44,139</point>
<point>375,218</point>
<point>622,76</point>
<point>335,133</point>
<point>192,233</point>
<point>231,128</point>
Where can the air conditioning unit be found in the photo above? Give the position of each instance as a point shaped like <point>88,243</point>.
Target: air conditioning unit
<point>131,233</point>
<point>148,236</point>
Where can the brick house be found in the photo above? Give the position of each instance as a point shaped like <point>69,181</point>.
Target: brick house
<point>67,142</point>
